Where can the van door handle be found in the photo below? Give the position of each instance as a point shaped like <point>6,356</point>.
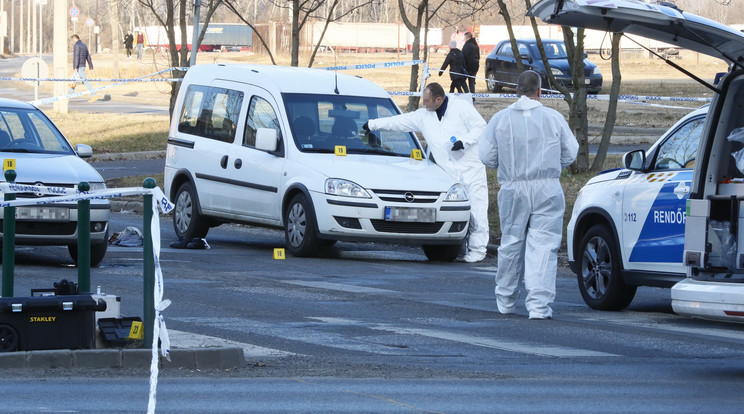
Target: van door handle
<point>238,163</point>
<point>223,162</point>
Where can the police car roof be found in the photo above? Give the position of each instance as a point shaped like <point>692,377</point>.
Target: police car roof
<point>286,79</point>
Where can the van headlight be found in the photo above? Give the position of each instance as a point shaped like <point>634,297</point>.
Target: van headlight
<point>345,188</point>
<point>456,193</point>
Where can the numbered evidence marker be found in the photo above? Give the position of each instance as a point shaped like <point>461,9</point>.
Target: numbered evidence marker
<point>340,150</point>
<point>137,331</point>
<point>279,254</point>
<point>9,164</point>
<point>416,154</point>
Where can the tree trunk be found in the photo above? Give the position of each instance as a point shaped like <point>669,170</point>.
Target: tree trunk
<point>115,42</point>
<point>413,101</point>
<point>612,107</point>
<point>504,12</point>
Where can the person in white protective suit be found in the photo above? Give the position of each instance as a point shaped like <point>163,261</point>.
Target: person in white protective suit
<point>529,144</point>
<point>452,128</point>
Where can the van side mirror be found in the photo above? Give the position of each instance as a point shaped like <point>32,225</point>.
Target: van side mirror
<point>266,139</point>
<point>84,151</point>
<point>635,160</point>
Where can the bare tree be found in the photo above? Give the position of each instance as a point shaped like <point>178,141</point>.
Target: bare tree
<point>234,8</point>
<point>423,16</point>
<point>178,57</point>
<point>604,143</point>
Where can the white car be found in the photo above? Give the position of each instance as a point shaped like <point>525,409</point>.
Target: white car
<point>43,156</point>
<point>284,147</point>
<point>627,226</point>
<point>713,216</point>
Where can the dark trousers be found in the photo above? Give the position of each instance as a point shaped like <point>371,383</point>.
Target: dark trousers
<point>460,84</point>
<point>471,84</point>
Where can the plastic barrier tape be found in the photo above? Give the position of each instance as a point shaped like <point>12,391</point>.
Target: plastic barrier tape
<point>384,65</point>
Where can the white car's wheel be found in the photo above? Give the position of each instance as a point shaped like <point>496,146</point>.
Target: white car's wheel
<point>600,281</point>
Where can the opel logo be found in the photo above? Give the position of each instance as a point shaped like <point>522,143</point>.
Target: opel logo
<point>409,197</point>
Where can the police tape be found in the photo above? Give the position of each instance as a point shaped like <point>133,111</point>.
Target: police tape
<point>382,65</point>
<point>143,78</point>
<point>629,99</point>
<point>159,202</point>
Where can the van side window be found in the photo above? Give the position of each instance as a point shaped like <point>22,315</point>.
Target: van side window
<point>680,149</point>
<point>211,112</point>
<point>260,115</point>
<point>187,123</point>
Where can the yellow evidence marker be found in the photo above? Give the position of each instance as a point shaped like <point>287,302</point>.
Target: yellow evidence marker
<point>279,254</point>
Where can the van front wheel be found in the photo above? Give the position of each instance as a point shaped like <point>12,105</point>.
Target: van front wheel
<point>299,228</point>
<point>187,222</point>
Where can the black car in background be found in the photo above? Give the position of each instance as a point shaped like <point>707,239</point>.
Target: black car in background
<point>502,70</point>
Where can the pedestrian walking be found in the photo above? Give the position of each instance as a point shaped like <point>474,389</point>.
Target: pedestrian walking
<point>456,63</point>
<point>471,53</point>
<point>128,41</point>
<point>140,44</point>
<point>452,128</point>
<point>80,57</point>
<point>528,144</point>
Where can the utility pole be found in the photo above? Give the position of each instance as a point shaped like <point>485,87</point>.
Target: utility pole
<point>60,44</point>
<point>195,36</point>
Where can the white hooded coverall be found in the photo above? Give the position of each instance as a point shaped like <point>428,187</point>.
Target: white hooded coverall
<point>529,144</point>
<point>462,122</point>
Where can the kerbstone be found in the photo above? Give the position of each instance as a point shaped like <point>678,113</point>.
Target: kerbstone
<point>61,358</point>
<point>136,358</point>
<point>97,358</point>
<point>13,359</point>
<point>219,358</point>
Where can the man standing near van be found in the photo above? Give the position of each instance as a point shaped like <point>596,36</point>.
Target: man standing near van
<point>529,144</point>
<point>452,128</point>
<point>471,52</point>
<point>80,56</point>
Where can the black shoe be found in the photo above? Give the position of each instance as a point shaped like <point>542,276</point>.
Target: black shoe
<point>180,244</point>
<point>198,243</point>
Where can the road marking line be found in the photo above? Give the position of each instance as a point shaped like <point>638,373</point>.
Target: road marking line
<point>511,346</point>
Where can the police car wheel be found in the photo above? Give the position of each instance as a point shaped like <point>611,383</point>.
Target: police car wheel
<point>600,280</point>
<point>299,228</point>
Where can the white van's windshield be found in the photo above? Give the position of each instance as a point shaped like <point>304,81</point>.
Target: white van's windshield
<point>322,122</point>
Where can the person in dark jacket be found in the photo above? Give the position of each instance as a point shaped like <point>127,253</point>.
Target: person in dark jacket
<point>128,43</point>
<point>456,63</point>
<point>471,52</point>
<point>80,56</point>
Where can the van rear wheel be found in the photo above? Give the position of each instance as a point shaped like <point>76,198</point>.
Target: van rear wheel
<point>187,222</point>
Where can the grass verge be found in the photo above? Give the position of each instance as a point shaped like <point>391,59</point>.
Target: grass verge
<point>111,133</point>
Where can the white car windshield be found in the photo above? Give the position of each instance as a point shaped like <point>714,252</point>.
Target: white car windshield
<point>29,130</point>
<point>322,122</point>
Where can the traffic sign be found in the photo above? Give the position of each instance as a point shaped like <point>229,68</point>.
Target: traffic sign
<point>74,11</point>
<point>90,22</point>
<point>34,67</point>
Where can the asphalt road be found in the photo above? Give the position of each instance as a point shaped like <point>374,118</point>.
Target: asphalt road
<point>376,328</point>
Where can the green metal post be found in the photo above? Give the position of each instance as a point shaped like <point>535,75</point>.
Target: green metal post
<point>148,266</point>
<point>83,244</point>
<point>9,228</point>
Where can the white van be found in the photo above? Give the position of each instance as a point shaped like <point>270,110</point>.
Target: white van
<point>284,147</point>
<point>714,237</point>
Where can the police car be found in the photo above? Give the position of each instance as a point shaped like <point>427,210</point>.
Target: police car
<point>633,233</point>
<point>627,226</point>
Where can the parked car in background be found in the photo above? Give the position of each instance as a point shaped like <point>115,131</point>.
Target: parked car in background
<point>43,156</point>
<point>502,69</point>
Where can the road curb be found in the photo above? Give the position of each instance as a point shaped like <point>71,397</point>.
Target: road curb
<point>186,358</point>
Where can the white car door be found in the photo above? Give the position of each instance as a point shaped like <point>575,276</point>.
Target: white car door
<point>653,226</point>
<point>257,175</point>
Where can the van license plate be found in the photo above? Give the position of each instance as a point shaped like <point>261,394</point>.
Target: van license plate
<point>411,214</point>
<point>43,213</point>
